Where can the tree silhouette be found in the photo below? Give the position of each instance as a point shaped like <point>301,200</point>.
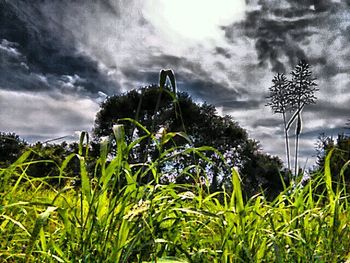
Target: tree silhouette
<point>340,158</point>
<point>11,147</point>
<point>203,126</point>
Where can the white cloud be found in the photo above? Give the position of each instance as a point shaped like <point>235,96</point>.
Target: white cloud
<point>33,115</point>
<point>9,48</point>
<point>193,20</point>
<point>144,31</point>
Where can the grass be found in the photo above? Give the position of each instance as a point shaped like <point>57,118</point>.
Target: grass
<point>103,220</point>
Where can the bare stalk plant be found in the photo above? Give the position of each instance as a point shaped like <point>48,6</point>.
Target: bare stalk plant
<point>291,96</point>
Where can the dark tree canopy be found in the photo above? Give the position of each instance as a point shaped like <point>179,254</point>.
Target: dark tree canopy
<point>340,155</point>
<point>11,147</point>
<point>203,126</point>
<point>201,122</point>
<point>46,158</point>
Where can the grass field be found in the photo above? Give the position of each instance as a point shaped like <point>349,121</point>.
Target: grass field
<point>100,221</point>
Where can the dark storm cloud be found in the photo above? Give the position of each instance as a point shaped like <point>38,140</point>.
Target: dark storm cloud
<point>240,105</point>
<point>275,31</point>
<point>48,33</point>
<point>207,90</point>
<point>267,122</point>
<point>224,52</point>
<point>282,31</point>
<point>16,74</point>
<point>44,58</point>
<point>194,79</point>
<point>191,77</point>
<point>315,133</point>
<point>330,110</point>
<point>48,87</point>
<point>14,70</point>
<point>146,77</point>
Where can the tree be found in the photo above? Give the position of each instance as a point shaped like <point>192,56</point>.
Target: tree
<point>340,158</point>
<point>202,125</point>
<point>11,147</point>
<point>46,160</point>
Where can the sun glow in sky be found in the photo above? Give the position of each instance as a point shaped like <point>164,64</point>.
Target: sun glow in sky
<point>195,19</point>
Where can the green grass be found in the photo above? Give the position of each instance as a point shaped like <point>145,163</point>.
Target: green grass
<point>102,221</point>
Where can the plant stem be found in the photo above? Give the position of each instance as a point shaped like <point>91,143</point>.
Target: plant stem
<point>296,155</point>
<point>287,141</point>
<point>298,128</point>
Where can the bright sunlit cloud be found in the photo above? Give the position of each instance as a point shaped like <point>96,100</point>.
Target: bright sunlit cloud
<point>194,19</point>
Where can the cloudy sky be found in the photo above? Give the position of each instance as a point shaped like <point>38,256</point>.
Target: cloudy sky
<point>60,58</point>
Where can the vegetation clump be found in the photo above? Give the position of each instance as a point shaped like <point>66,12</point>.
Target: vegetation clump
<point>104,221</point>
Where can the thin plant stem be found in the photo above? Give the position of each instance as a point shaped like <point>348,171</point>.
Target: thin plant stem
<point>287,141</point>
<point>297,147</point>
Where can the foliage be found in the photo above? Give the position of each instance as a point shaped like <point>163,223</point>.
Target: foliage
<point>339,164</point>
<point>11,147</point>
<point>102,221</point>
<point>41,153</point>
<point>203,126</point>
<point>46,158</point>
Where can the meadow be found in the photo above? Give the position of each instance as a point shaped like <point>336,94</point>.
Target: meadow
<point>94,218</point>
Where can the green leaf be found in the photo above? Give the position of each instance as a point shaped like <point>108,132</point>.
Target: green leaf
<point>22,158</point>
<point>343,169</point>
<point>171,76</point>
<point>236,198</point>
<point>328,174</point>
<point>83,135</point>
<point>39,223</point>
<point>65,164</point>
<point>162,79</point>
<point>85,181</point>
<point>295,115</point>
<point>14,222</point>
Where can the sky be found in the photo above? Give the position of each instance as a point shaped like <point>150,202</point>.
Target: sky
<point>59,59</point>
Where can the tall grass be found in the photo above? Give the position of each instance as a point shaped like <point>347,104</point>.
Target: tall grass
<point>103,220</point>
